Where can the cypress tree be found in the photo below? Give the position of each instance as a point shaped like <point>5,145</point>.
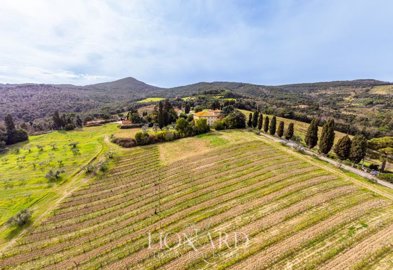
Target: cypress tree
<point>266,124</point>
<point>260,121</point>
<point>289,132</point>
<point>272,127</point>
<point>78,122</point>
<point>57,121</point>
<point>249,123</point>
<point>311,138</point>
<point>358,148</point>
<point>13,135</point>
<point>280,130</point>
<point>187,108</point>
<point>166,112</point>
<point>255,119</point>
<point>343,147</point>
<point>161,121</point>
<point>9,124</point>
<point>327,137</point>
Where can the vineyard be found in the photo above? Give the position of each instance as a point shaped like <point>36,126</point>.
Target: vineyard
<point>238,204</point>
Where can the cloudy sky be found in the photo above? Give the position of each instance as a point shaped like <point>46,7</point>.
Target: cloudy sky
<point>170,43</point>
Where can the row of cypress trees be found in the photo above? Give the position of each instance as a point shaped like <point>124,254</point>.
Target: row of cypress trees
<point>355,149</point>
<point>256,120</point>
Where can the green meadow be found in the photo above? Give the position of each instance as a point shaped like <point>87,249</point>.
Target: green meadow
<point>152,99</point>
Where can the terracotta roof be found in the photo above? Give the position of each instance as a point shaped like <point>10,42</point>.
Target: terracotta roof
<point>199,114</point>
<point>207,113</point>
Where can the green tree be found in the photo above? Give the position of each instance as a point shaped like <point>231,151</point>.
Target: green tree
<point>260,121</point>
<point>235,119</point>
<point>290,131</point>
<point>311,138</point>
<point>227,110</point>
<point>343,147</point>
<point>182,126</point>
<point>201,126</point>
<point>255,119</point>
<point>266,124</point>
<point>142,138</point>
<point>215,105</point>
<point>249,123</point>
<point>358,148</point>
<point>280,130</point>
<point>327,137</point>
<point>272,126</point>
<point>198,108</point>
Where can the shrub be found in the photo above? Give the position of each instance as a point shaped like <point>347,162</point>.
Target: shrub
<point>40,148</point>
<point>201,126</point>
<point>103,166</point>
<point>198,109</point>
<point>386,176</point>
<point>110,155</point>
<point>69,127</point>
<point>90,168</point>
<point>73,145</point>
<point>296,138</point>
<point>20,219</point>
<point>219,125</point>
<point>17,135</point>
<point>142,138</point>
<point>373,167</point>
<point>170,136</point>
<point>54,175</point>
<point>380,143</point>
<point>124,142</point>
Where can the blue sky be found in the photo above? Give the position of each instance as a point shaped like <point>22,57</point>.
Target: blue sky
<point>170,43</point>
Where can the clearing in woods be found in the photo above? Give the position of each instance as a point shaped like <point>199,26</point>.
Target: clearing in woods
<point>297,213</point>
<point>151,99</point>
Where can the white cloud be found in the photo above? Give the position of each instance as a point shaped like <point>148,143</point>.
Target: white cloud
<point>174,42</point>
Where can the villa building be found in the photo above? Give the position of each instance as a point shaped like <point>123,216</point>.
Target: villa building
<point>211,116</point>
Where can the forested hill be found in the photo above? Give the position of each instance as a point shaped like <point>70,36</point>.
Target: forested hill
<point>354,102</point>
<point>27,102</point>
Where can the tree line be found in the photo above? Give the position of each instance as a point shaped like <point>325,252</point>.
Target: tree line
<point>66,121</point>
<point>345,148</point>
<point>257,120</point>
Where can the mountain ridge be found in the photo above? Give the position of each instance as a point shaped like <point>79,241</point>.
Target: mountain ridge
<point>28,102</point>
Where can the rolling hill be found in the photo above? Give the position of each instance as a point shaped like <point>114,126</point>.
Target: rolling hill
<point>359,103</point>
